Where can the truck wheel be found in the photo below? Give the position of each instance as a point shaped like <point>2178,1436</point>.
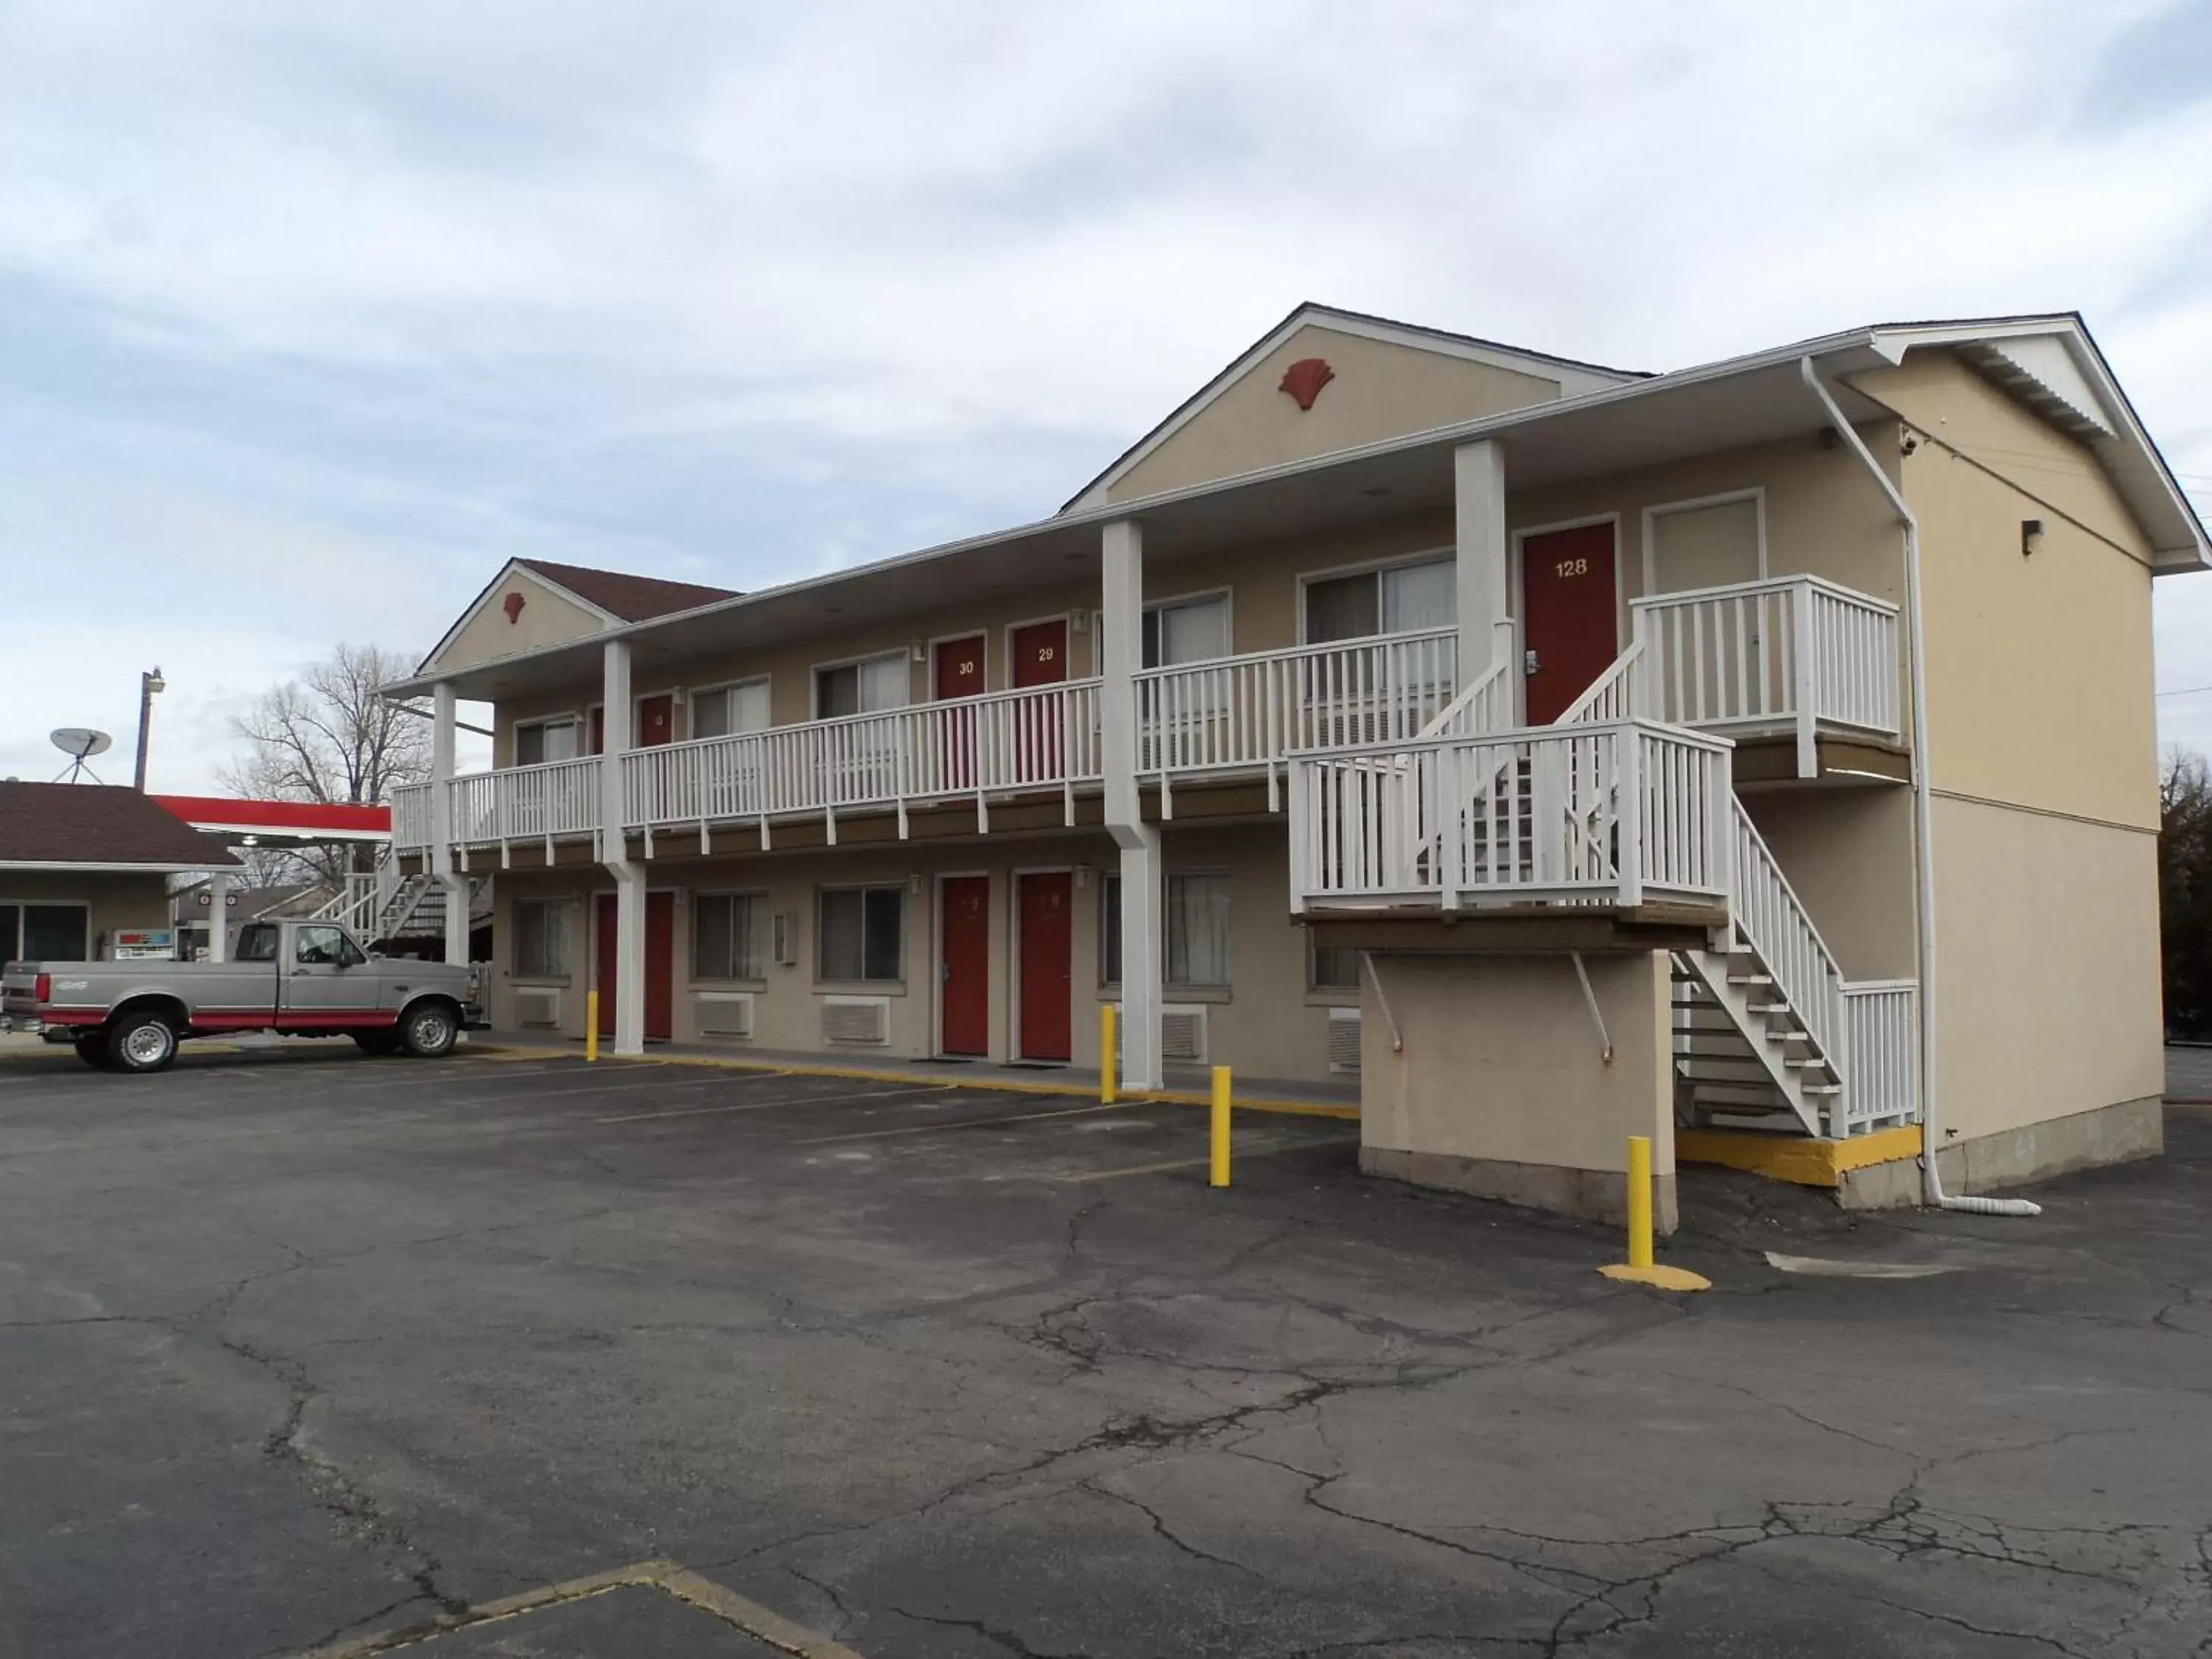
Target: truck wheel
<point>428,1029</point>
<point>141,1043</point>
<point>92,1049</point>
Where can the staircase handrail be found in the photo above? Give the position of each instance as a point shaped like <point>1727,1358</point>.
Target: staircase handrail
<point>1764,918</point>
<point>1611,695</point>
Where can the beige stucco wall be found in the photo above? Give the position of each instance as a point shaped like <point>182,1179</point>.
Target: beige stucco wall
<point>547,618</point>
<point>1501,1073</point>
<point>1265,1024</point>
<point>2047,967</point>
<point>1847,853</point>
<point>1381,390</point>
<point>115,898</point>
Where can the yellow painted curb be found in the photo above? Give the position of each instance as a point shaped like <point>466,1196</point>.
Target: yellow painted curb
<point>1802,1162</point>
<point>1659,1277</point>
<point>946,1079</point>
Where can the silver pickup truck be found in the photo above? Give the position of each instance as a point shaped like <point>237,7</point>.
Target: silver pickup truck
<point>303,978</point>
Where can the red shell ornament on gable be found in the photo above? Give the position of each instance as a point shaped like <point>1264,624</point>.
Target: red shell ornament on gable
<point>1304,379</point>
<point>513,604</point>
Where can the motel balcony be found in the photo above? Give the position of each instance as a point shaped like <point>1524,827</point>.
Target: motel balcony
<point>1792,662</point>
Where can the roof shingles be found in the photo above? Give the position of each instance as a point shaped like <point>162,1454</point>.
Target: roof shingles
<point>98,826</point>
<point>633,598</point>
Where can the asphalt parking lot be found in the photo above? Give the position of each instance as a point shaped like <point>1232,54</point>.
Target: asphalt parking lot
<point>308,1352</point>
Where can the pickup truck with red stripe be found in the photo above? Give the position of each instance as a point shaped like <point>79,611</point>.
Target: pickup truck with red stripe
<point>300,978</point>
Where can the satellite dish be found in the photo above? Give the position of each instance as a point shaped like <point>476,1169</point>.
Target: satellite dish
<point>79,743</point>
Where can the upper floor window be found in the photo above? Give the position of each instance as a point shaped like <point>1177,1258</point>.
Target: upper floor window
<point>547,740</point>
<point>1714,542</point>
<point>865,687</point>
<point>1186,630</point>
<point>1398,598</point>
<point>722,710</point>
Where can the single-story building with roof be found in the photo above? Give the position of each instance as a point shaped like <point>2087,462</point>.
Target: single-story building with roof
<point>82,863</point>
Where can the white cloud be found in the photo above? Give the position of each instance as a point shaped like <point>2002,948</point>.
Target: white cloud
<point>728,291</point>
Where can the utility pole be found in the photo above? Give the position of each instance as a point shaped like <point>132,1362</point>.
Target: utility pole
<point>149,684</point>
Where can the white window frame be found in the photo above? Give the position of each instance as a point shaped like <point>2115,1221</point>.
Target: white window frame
<point>1225,593</point>
<point>754,895</point>
<point>1755,493</point>
<point>581,721</point>
<point>815,672</point>
<point>822,981</point>
<point>568,939</point>
<point>1446,555</point>
<point>691,699</point>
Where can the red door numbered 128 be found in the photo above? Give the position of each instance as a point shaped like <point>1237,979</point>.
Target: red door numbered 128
<point>1567,607</point>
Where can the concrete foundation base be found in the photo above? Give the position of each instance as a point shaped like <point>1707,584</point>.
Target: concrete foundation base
<point>1587,1194</point>
<point>2112,1134</point>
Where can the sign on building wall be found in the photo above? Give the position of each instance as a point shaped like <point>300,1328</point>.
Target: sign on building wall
<point>129,944</point>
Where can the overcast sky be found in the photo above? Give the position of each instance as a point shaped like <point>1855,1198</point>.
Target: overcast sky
<point>311,315</point>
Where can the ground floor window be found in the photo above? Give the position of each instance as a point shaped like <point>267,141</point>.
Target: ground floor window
<point>725,935</point>
<point>45,933</point>
<point>1335,968</point>
<point>863,933</point>
<point>541,939</point>
<point>1195,905</point>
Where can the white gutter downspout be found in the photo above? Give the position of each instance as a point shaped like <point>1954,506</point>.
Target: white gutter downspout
<point>1923,825</point>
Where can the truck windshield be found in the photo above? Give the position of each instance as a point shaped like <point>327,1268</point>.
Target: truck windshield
<point>257,942</point>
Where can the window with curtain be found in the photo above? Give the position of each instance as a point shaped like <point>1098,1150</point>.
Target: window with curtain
<point>862,688</point>
<point>723,710</point>
<point>1196,935</point>
<point>1396,600</point>
<point>725,929</point>
<point>541,939</point>
<point>862,934</point>
<point>544,740</point>
<point>1186,630</point>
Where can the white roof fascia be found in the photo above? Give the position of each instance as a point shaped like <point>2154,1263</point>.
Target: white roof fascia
<point>607,618</point>
<point>1106,513</point>
<point>1573,380</point>
<point>2125,442</point>
<point>99,867</point>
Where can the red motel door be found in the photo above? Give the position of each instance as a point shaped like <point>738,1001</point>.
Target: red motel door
<point>1048,915</point>
<point>965,936</point>
<point>1567,615</point>
<point>656,721</point>
<point>660,964</point>
<point>1040,659</point>
<point>959,674</point>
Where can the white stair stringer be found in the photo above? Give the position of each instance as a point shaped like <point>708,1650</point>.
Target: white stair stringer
<point>1740,1053</point>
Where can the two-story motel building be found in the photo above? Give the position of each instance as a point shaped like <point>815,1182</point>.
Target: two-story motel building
<point>1760,754</point>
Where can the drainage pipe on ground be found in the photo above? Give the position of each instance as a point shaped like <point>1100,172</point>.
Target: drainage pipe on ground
<point>1923,815</point>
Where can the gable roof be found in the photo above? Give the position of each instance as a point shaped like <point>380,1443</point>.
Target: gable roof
<point>631,599</point>
<point>98,826</point>
<point>612,597</point>
<point>1574,377</point>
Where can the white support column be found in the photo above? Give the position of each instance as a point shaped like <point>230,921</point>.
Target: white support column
<point>1483,569</point>
<point>452,885</point>
<point>1122,635</point>
<point>617,721</point>
<point>218,892</point>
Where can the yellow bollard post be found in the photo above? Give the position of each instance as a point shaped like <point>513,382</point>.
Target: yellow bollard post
<point>1639,1268</point>
<point>1218,1170</point>
<point>1106,1048</point>
<point>591,1025</point>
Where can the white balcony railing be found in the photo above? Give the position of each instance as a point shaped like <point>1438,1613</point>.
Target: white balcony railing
<point>410,815</point>
<point>1786,654</point>
<point>1880,1056</point>
<point>1039,738</point>
<point>1248,712</point>
<point>1587,814</point>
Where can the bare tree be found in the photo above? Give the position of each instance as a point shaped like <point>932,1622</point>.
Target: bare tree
<point>328,736</point>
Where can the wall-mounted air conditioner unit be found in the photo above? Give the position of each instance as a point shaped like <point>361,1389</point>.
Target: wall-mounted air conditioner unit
<point>538,1005</point>
<point>853,1020</point>
<point>1344,1039</point>
<point>723,1013</point>
<point>1182,1032</point>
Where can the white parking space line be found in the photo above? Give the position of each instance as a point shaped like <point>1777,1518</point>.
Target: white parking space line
<point>823,1098</point>
<point>959,1124</point>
